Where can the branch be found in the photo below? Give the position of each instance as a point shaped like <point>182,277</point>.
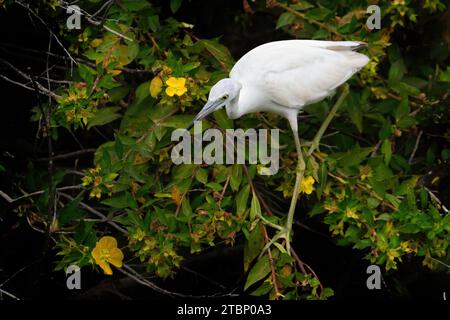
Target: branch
<point>8,294</point>
<point>266,239</point>
<point>69,155</point>
<point>416,146</point>
<point>28,78</point>
<point>48,28</point>
<point>11,200</point>
<point>130,272</point>
<point>274,3</point>
<point>91,20</point>
<point>97,213</point>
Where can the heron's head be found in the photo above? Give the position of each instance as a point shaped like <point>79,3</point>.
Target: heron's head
<point>222,94</point>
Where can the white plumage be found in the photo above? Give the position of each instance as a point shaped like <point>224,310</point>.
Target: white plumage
<point>293,73</point>
<point>284,76</point>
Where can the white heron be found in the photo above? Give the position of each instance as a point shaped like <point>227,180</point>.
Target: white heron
<point>282,77</point>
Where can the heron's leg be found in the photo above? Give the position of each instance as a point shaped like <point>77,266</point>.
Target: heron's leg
<point>301,166</point>
<point>285,232</point>
<point>325,124</point>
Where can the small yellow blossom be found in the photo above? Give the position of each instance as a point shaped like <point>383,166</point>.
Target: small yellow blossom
<point>106,252</point>
<point>176,86</point>
<point>351,213</point>
<point>306,186</point>
<point>95,170</point>
<point>95,192</point>
<point>86,181</point>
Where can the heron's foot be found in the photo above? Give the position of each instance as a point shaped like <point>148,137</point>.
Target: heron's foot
<point>312,144</point>
<point>283,233</point>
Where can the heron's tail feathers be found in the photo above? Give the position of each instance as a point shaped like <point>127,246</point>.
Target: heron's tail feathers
<point>347,45</point>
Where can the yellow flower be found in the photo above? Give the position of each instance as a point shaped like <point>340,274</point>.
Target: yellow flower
<point>106,252</point>
<point>86,181</point>
<point>96,192</point>
<point>176,86</point>
<point>351,213</point>
<point>306,186</point>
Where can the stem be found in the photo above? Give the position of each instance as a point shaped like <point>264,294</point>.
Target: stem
<point>325,124</point>
<point>300,172</point>
<point>301,162</point>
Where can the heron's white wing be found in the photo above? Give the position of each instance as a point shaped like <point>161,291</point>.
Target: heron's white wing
<point>294,73</point>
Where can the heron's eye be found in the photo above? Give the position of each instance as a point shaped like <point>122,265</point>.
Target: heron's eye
<point>225,97</point>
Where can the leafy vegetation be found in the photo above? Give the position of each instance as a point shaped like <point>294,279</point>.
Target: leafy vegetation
<point>144,73</point>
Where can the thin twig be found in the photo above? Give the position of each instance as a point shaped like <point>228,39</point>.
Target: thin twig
<point>11,200</point>
<point>416,146</point>
<point>97,213</point>
<point>435,198</point>
<point>48,28</point>
<point>28,78</point>
<point>8,294</point>
<point>130,272</point>
<point>69,155</point>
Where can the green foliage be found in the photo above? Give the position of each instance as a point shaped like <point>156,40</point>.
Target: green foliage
<point>366,189</point>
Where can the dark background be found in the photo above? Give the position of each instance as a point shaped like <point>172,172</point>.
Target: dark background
<point>26,257</point>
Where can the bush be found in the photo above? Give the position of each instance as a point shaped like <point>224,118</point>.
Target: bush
<point>144,73</point>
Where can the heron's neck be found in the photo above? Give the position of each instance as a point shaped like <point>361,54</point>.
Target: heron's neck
<point>248,100</point>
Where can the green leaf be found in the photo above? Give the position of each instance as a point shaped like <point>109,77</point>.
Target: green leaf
<point>354,157</point>
<point>409,228</point>
<point>104,116</point>
<point>87,73</point>
<point>255,208</point>
<point>222,119</point>
<point>135,5</point>
<point>285,19</point>
<point>236,177</point>
<point>253,246</point>
<point>349,27</point>
<point>153,22</point>
<point>125,200</point>
<point>84,232</point>
<point>183,171</point>
<point>402,109</point>
<point>321,34</point>
<point>175,5</point>
<point>220,52</point>
<point>202,175</point>
<point>70,212</point>
<point>355,113</point>
<point>396,71</point>
<point>129,53</point>
<point>118,93</point>
<point>264,289</point>
<point>406,122</point>
<point>301,5</point>
<point>259,271</point>
<point>214,186</point>
<point>444,76</point>
<point>386,150</point>
<point>242,199</point>
<point>179,121</point>
<point>142,91</point>
<point>319,14</point>
<point>326,293</point>
<point>118,147</point>
<point>385,131</point>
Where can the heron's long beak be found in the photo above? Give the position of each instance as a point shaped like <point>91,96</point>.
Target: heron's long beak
<point>209,108</point>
